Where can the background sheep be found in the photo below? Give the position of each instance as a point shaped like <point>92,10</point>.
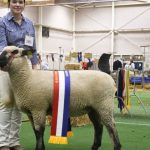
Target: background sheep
<point>92,92</point>
<point>103,63</point>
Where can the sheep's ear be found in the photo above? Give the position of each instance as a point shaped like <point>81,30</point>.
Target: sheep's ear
<point>3,59</point>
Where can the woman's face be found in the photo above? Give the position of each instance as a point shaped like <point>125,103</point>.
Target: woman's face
<point>17,6</point>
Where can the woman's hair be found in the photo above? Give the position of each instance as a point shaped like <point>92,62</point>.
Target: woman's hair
<point>10,0</point>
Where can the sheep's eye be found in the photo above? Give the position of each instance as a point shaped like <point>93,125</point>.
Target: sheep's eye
<point>15,52</point>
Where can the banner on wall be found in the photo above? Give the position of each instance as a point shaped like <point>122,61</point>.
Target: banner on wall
<point>67,58</point>
<point>88,55</point>
<point>74,54</point>
<point>5,1</point>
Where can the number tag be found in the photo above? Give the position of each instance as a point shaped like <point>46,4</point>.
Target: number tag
<point>28,40</point>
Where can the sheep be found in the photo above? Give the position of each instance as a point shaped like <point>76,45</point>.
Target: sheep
<point>92,93</point>
<point>103,63</point>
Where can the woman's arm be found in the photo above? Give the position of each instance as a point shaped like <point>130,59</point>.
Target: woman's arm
<point>34,59</point>
<point>3,40</point>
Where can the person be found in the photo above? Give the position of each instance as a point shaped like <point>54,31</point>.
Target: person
<point>130,66</point>
<point>43,64</point>
<point>15,30</point>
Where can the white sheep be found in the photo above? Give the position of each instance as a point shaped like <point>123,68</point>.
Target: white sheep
<point>92,92</point>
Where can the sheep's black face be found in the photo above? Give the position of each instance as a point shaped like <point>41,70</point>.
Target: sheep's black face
<point>7,57</point>
<point>4,59</point>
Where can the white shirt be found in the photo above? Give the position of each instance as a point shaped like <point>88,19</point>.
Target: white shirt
<point>44,65</point>
<point>131,66</point>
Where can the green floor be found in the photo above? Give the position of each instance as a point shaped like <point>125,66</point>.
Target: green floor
<point>132,137</point>
<point>133,129</point>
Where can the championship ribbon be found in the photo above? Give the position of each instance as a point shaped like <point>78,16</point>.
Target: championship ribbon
<point>60,108</point>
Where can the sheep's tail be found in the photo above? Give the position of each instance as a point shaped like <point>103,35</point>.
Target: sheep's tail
<point>115,87</point>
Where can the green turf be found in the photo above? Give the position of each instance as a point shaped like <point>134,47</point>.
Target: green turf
<point>137,113</point>
<point>132,137</point>
<point>133,129</point>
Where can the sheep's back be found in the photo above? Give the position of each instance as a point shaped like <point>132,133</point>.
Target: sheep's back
<point>91,89</point>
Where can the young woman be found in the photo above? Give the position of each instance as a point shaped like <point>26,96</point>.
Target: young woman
<point>15,30</point>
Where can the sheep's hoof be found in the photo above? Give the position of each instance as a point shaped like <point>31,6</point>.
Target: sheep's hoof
<point>94,147</point>
<point>117,148</point>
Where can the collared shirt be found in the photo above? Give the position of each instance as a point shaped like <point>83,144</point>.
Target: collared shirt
<point>11,33</point>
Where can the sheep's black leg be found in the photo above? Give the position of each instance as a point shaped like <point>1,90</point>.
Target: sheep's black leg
<point>98,128</point>
<point>110,125</point>
<point>39,138</point>
<point>39,132</point>
<point>31,121</point>
<point>114,135</point>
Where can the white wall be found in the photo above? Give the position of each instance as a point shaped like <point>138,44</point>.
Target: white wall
<point>93,43</point>
<point>93,19</point>
<point>139,16</point>
<point>137,20</point>
<point>100,19</point>
<point>32,13</point>
<point>58,17</point>
<point>60,21</point>
<point>57,39</point>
